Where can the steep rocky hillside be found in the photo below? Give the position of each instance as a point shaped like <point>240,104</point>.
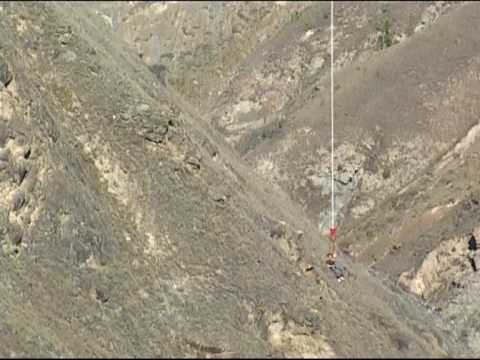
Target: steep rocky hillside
<point>277,113</point>
<point>406,127</point>
<point>130,228</point>
<point>197,46</point>
<point>270,99</point>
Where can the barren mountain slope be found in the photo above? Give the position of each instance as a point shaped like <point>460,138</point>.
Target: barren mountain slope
<point>275,107</point>
<point>421,236</point>
<point>196,46</point>
<point>129,228</point>
<point>269,83</point>
<point>406,127</point>
<point>407,154</point>
<point>286,138</point>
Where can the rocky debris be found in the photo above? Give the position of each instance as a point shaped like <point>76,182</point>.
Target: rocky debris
<point>221,355</point>
<point>219,195</point>
<point>444,265</point>
<point>155,135</point>
<point>209,351</point>
<point>431,13</point>
<point>297,341</point>
<point>289,241</point>
<point>5,74</point>
<point>194,161</point>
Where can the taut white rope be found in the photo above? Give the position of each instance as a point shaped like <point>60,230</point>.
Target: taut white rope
<point>331,111</point>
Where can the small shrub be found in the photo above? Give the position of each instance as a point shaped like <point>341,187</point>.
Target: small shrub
<point>385,38</point>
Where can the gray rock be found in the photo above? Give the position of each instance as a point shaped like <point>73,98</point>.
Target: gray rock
<point>278,231</point>
<point>194,162</point>
<point>5,74</point>
<point>20,173</point>
<point>18,200</point>
<point>156,135</point>
<point>15,235</point>
<point>101,296</point>
<point>4,154</point>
